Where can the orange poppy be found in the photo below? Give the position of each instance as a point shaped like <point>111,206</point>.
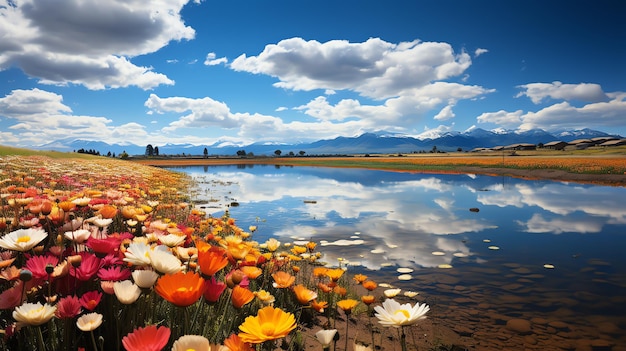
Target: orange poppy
<point>324,288</point>
<point>341,291</point>
<point>303,294</point>
<point>347,305</point>
<point>234,343</point>
<point>108,211</point>
<point>241,296</point>
<point>319,271</point>
<point>211,259</point>
<point>334,274</point>
<point>369,285</point>
<point>368,299</point>
<point>319,306</point>
<point>181,289</point>
<point>283,279</point>
<point>359,278</point>
<point>251,272</point>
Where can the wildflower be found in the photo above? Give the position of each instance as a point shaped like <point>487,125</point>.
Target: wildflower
<point>303,294</point>
<point>181,289</point>
<point>115,273</point>
<point>319,271</point>
<point>269,324</point>
<point>23,239</point>
<point>88,267</point>
<point>393,314</point>
<point>145,278</point>
<point>311,245</point>
<point>339,290</point>
<point>241,296</point>
<point>172,240</point>
<point>108,211</point>
<point>369,285</point>
<point>211,259</point>
<point>89,321</point>
<point>12,297</point>
<point>324,288</point>
<point>391,293</point>
<point>334,274</point>
<point>359,278</point>
<point>325,337</point>
<point>126,292</point>
<point>252,272</point>
<point>11,273</point>
<point>319,306</point>
<point>34,313</point>
<point>368,299</point>
<point>91,299</point>
<point>265,297</point>
<point>78,236</point>
<point>137,254</point>
<point>37,265</point>
<point>164,262</point>
<point>68,307</point>
<point>361,347</point>
<point>347,305</point>
<point>297,250</point>
<point>191,342</point>
<point>283,279</point>
<point>272,244</point>
<point>106,245</point>
<point>235,343</point>
<point>213,289</point>
<point>150,338</point>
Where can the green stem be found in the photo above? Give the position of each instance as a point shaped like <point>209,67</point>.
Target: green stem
<point>403,339</point>
<point>93,341</point>
<point>347,323</point>
<point>41,344</point>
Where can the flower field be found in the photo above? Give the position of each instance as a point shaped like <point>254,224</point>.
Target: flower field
<point>102,254</point>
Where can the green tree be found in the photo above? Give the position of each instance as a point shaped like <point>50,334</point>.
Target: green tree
<point>301,153</point>
<point>278,152</point>
<point>149,150</point>
<point>206,153</point>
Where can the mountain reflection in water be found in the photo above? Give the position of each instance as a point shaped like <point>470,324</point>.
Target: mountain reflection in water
<point>379,221</point>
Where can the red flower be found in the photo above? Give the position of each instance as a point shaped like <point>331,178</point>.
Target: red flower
<point>91,299</point>
<point>115,273</point>
<point>37,265</point>
<point>89,265</point>
<point>105,246</point>
<point>213,289</point>
<point>149,338</point>
<point>68,307</point>
<point>12,297</point>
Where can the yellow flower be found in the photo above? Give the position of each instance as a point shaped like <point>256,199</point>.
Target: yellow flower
<point>34,313</point>
<point>265,297</point>
<point>334,274</point>
<point>347,305</point>
<point>269,324</point>
<point>89,321</point>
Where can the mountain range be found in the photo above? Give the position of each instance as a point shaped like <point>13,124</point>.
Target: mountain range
<point>378,142</point>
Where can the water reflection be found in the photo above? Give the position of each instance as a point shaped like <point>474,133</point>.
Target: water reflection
<point>381,221</point>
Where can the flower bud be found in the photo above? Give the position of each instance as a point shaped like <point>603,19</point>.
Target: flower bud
<point>26,275</point>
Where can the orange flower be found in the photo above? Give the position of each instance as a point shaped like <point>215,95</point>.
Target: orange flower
<point>181,289</point>
<point>295,269</point>
<point>251,272</point>
<point>311,245</point>
<point>297,250</point>
<point>319,306</point>
<point>324,288</point>
<point>270,324</point>
<point>283,279</point>
<point>370,285</point>
<point>347,305</point>
<point>66,205</point>
<point>341,291</point>
<point>334,274</point>
<point>368,299</point>
<point>108,211</point>
<point>303,294</point>
<point>211,259</point>
<point>319,271</point>
<point>359,278</point>
<point>234,343</point>
<point>241,296</point>
<point>147,338</point>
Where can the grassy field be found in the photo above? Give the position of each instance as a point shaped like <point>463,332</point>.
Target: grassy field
<point>7,150</point>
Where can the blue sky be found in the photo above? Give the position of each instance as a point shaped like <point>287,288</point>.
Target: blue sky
<point>238,72</point>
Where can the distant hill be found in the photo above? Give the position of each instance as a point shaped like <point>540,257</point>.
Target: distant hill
<point>380,142</point>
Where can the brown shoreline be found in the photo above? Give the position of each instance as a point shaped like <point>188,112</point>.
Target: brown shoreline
<point>544,173</point>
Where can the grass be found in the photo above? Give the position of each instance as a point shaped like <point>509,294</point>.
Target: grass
<point>8,150</point>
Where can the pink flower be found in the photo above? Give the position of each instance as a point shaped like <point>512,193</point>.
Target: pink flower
<point>87,268</point>
<point>105,246</point>
<point>37,265</point>
<point>213,289</point>
<point>68,307</point>
<point>91,299</point>
<point>149,338</point>
<point>112,260</point>
<point>115,273</point>
<point>11,297</point>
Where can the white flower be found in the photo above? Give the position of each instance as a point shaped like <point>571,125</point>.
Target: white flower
<point>77,236</point>
<point>89,321</point>
<point>172,240</point>
<point>23,239</point>
<point>34,313</point>
<point>145,278</point>
<point>138,254</point>
<point>126,291</point>
<point>191,342</point>
<point>102,222</point>
<point>391,293</point>
<point>164,262</point>
<point>393,314</point>
<point>326,336</point>
<point>361,347</point>
<point>81,201</point>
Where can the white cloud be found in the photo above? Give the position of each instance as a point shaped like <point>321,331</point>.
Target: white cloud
<point>204,112</point>
<point>445,114</point>
<point>89,42</point>
<point>502,118</point>
<point>374,68</point>
<point>212,60</point>
<point>586,92</point>
<point>480,51</point>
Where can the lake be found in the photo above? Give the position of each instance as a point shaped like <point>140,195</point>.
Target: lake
<point>481,250</point>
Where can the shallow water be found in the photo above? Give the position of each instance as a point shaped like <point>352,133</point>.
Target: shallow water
<point>550,253</point>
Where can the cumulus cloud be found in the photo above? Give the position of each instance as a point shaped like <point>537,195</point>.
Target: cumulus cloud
<point>212,60</point>
<point>375,68</point>
<point>89,42</point>
<point>563,115</point>
<point>203,112</point>
<point>587,92</point>
<point>445,114</point>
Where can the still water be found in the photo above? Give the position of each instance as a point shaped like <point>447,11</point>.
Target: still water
<point>481,250</point>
